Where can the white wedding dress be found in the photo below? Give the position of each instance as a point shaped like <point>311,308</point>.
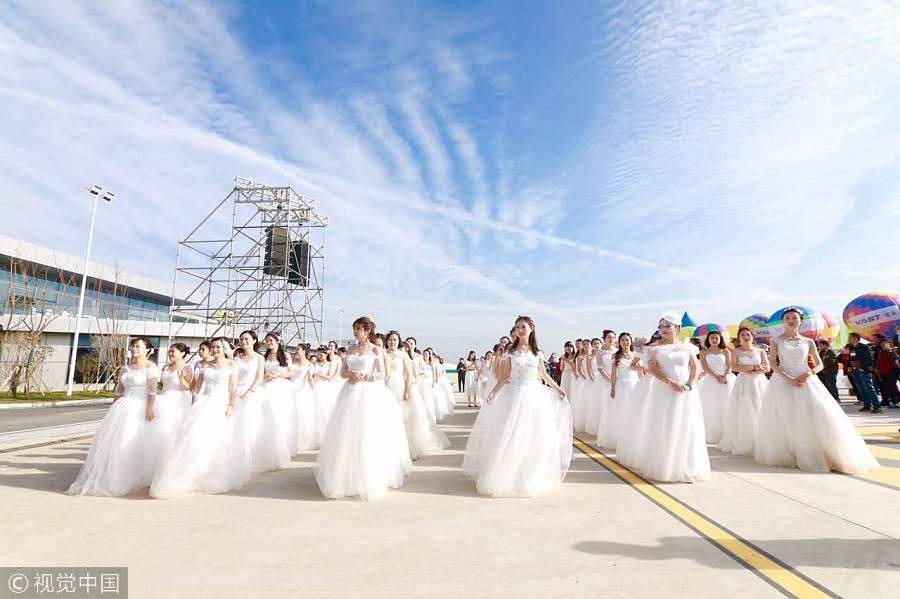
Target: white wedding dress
<point>308,410</point>
<point>280,394</point>
<point>424,436</point>
<point>208,453</point>
<point>581,403</point>
<point>803,427</point>
<point>670,444</point>
<point>258,419</point>
<point>169,409</point>
<point>365,451</point>
<point>623,406</point>
<point>606,426</point>
<point>635,413</point>
<point>741,418</point>
<point>522,445</point>
<point>714,396</point>
<point>122,455</point>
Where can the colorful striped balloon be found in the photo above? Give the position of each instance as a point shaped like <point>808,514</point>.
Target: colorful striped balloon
<point>704,329</point>
<point>877,312</point>
<point>832,328</point>
<point>812,326</point>
<point>757,325</point>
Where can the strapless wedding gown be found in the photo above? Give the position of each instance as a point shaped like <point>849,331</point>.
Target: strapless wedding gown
<point>803,427</point>
<point>714,396</point>
<point>742,415</point>
<point>365,451</point>
<point>209,453</point>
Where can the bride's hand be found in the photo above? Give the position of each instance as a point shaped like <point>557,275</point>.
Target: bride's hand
<point>490,397</point>
<point>562,394</point>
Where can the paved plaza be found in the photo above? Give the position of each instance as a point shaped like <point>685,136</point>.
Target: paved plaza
<point>750,532</point>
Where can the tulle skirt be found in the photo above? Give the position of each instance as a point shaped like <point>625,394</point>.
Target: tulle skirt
<point>522,445</point>
<point>565,382</point>
<point>607,423</point>
<point>365,451</point>
<point>803,427</point>
<point>623,406</point>
<point>208,453</point>
<point>714,399</point>
<point>581,404</point>
<point>423,435</point>
<point>426,390</point>
<point>308,416</point>
<point>632,420</point>
<point>670,444</point>
<point>471,388</point>
<point>326,395</point>
<point>121,457</point>
<point>446,393</point>
<point>258,419</point>
<point>169,409</point>
<point>482,390</point>
<point>280,395</point>
<point>742,414</point>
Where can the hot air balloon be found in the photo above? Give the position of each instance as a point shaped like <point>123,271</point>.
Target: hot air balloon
<point>877,312</point>
<point>812,326</point>
<point>704,329</point>
<point>832,328</point>
<point>757,325</point>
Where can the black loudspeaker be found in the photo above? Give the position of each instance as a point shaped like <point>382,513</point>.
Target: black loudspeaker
<point>298,274</point>
<point>277,242</point>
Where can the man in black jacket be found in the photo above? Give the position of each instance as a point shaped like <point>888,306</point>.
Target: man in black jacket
<point>461,375</point>
<point>862,364</point>
<point>828,375</point>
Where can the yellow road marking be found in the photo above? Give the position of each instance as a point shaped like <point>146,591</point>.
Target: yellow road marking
<point>776,573</point>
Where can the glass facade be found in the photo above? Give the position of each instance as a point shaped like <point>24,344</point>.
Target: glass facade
<point>25,286</point>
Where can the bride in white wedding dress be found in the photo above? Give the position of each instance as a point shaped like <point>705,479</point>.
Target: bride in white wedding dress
<point>522,445</point>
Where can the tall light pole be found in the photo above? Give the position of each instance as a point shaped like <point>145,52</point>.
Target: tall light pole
<point>97,192</point>
<point>340,338</point>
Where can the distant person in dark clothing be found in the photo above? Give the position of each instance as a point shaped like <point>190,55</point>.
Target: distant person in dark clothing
<point>861,366</point>
<point>886,371</point>
<point>461,375</point>
<point>828,374</point>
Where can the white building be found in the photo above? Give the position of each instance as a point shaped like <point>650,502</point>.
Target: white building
<point>40,287</point>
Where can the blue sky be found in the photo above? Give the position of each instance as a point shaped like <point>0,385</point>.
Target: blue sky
<point>590,164</point>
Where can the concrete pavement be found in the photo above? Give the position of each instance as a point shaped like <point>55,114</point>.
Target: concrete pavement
<point>600,535</point>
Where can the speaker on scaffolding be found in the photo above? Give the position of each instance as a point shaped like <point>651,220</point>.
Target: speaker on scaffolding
<point>298,273</point>
<point>277,244</point>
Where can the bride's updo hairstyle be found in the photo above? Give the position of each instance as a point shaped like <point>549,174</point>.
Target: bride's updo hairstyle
<point>795,311</point>
<point>367,325</point>
<point>532,338</point>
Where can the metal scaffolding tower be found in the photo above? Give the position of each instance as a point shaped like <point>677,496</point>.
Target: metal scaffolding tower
<point>257,261</point>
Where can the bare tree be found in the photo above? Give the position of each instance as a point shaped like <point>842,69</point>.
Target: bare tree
<point>34,291</point>
<point>111,338</point>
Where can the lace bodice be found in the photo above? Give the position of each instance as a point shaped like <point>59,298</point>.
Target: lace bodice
<point>717,363</point>
<point>272,367</point>
<point>137,380</point>
<point>396,366</point>
<point>216,379</point>
<point>523,368</point>
<point>793,355</point>
<point>427,373</point>
<point>624,371</point>
<point>361,363</point>
<point>605,361</point>
<point>171,381</point>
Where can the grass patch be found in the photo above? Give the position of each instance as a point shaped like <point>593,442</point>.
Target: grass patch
<point>7,397</point>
